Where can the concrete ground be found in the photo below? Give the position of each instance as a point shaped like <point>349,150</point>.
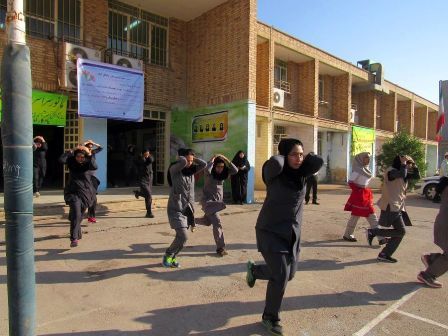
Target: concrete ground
<point>113,283</point>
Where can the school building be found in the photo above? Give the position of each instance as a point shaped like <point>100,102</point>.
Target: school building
<point>216,80</point>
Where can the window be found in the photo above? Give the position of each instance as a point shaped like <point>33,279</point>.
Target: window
<point>281,76</point>
<point>41,18</point>
<point>280,71</point>
<point>2,14</point>
<point>321,90</point>
<point>69,19</point>
<point>137,33</point>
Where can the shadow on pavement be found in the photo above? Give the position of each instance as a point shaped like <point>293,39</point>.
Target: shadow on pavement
<point>204,319</point>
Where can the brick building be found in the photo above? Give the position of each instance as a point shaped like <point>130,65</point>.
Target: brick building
<point>210,63</point>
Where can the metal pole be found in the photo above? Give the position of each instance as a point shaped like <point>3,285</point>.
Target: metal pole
<point>17,130</point>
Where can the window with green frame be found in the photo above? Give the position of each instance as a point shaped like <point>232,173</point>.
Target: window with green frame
<point>137,33</point>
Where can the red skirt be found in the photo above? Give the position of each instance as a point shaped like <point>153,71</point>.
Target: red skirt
<point>360,202</point>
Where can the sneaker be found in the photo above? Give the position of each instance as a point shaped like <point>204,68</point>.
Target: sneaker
<point>383,241</point>
<point>350,238</point>
<point>136,194</point>
<point>273,327</point>
<point>74,243</point>
<point>370,236</point>
<point>316,203</point>
<point>149,215</point>
<point>167,261</point>
<point>222,252</point>
<point>250,278</point>
<point>91,220</point>
<point>428,280</point>
<point>37,194</point>
<point>174,263</point>
<point>193,228</point>
<point>386,258</point>
<point>425,259</point>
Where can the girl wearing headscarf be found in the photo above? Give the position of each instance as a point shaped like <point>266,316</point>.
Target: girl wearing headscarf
<point>79,192</point>
<point>279,224</point>
<point>144,166</point>
<point>360,202</point>
<point>91,212</point>
<point>180,202</point>
<point>391,204</point>
<point>239,180</point>
<point>40,148</point>
<point>218,169</point>
<point>437,263</point>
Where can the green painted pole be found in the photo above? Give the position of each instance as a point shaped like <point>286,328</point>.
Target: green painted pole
<point>17,134</point>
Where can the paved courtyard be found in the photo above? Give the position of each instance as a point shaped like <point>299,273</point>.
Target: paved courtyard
<point>113,283</point>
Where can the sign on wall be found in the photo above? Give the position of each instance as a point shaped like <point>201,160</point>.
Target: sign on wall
<point>209,127</point>
<point>109,91</point>
<point>363,140</point>
<point>48,108</point>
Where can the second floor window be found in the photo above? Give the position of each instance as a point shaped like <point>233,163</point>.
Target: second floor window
<point>43,20</point>
<point>280,72</point>
<point>137,33</point>
<point>321,90</point>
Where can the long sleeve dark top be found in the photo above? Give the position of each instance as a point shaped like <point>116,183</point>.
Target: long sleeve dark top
<point>404,173</point>
<point>96,151</point>
<point>80,181</point>
<point>145,168</point>
<point>39,153</point>
<point>283,207</point>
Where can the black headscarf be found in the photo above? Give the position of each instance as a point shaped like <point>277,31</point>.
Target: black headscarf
<point>78,167</point>
<point>397,162</point>
<point>186,171</point>
<point>225,172</point>
<point>290,175</point>
<point>237,161</point>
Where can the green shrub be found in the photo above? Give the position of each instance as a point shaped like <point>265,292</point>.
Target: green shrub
<point>402,144</point>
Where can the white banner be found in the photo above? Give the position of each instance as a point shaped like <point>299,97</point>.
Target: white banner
<point>109,91</point>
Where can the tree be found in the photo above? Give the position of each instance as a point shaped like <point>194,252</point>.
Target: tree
<point>402,144</point>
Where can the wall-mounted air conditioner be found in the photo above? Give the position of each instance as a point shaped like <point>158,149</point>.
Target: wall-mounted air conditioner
<point>71,54</point>
<point>127,62</point>
<point>278,98</point>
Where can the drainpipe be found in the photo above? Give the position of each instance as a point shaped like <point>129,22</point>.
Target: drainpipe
<point>17,131</point>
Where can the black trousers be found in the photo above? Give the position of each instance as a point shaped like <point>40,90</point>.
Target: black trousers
<point>38,177</point>
<point>92,208</point>
<point>311,182</point>
<point>146,192</point>
<point>75,216</point>
<point>396,234</point>
<point>438,264</point>
<point>278,270</point>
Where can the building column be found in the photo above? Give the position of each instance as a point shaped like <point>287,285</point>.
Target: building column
<point>342,93</point>
<point>263,148</point>
<point>404,113</point>
<point>96,130</point>
<point>308,88</point>
<point>367,105</point>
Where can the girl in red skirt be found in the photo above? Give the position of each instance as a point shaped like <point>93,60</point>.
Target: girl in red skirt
<point>360,202</point>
